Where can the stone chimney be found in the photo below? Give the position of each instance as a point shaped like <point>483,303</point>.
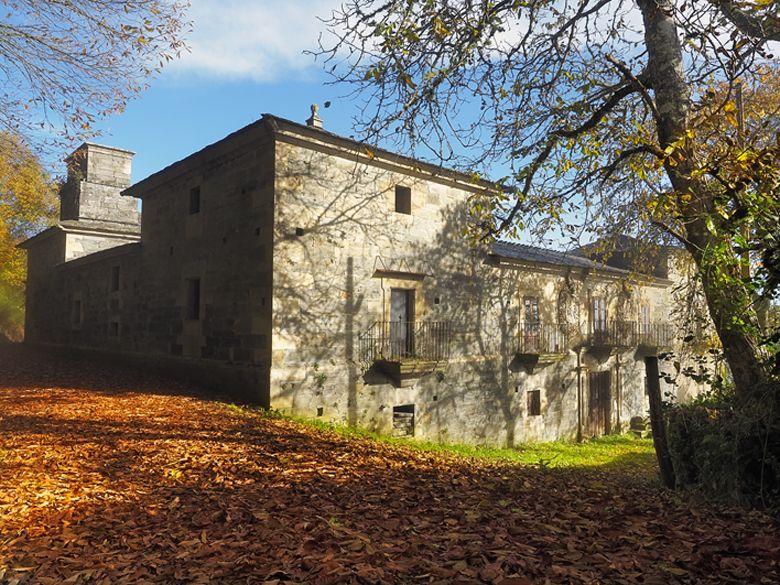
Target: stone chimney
<point>314,121</point>
<point>96,176</point>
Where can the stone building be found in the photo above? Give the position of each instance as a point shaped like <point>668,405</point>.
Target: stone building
<point>287,266</point>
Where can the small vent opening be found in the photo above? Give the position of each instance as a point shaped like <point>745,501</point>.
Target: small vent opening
<point>403,420</point>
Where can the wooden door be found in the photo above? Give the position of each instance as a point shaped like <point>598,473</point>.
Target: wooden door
<point>402,322</point>
<point>599,403</point>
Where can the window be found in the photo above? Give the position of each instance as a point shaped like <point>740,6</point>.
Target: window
<point>193,298</point>
<point>77,312</point>
<point>113,329</point>
<point>531,311</point>
<point>403,200</point>
<point>644,319</point>
<point>531,329</point>
<point>599,313</point>
<point>194,200</point>
<point>534,402</point>
<point>114,278</point>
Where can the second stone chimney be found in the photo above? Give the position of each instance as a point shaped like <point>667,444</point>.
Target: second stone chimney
<point>96,176</point>
<point>314,121</point>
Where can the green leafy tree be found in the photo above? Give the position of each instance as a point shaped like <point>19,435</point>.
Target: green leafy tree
<point>612,116</point>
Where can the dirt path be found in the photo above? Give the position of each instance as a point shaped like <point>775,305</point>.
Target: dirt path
<point>109,476</point>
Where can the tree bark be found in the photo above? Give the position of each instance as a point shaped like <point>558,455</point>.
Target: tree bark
<point>695,201</point>
<point>657,422</point>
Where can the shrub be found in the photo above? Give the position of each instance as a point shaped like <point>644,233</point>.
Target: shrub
<point>728,451</point>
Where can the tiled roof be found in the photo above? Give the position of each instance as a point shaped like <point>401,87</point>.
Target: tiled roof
<point>526,253</point>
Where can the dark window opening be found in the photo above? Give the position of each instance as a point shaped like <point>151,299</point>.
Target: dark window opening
<point>114,278</point>
<point>299,231</point>
<point>534,402</point>
<point>113,329</point>
<point>320,411</point>
<point>194,200</point>
<point>403,200</point>
<point>76,316</point>
<point>193,298</point>
<point>403,420</point>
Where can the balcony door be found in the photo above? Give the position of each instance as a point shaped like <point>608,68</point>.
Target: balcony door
<point>402,322</point>
<point>531,325</point>
<point>598,319</point>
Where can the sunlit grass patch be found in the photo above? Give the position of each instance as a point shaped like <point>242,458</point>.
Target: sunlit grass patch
<point>623,453</point>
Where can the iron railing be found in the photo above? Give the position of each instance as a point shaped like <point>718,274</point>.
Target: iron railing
<point>656,334</point>
<point>542,338</point>
<point>398,340</point>
<point>618,333</point>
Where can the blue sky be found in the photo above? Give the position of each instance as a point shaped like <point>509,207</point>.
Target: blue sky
<point>246,59</point>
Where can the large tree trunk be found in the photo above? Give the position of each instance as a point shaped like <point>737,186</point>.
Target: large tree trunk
<point>657,422</point>
<point>672,100</point>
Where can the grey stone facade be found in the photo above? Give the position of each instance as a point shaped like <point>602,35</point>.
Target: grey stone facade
<point>266,263</point>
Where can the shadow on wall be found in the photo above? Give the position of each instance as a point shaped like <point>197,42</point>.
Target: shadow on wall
<point>335,227</point>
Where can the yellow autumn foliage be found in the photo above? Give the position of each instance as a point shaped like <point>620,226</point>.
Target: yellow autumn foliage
<point>27,204</point>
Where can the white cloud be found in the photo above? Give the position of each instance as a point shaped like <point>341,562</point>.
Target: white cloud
<point>262,40</point>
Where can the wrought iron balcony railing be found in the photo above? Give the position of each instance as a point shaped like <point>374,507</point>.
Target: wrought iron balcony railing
<point>656,334</point>
<point>405,340</point>
<point>614,333</point>
<point>538,338</point>
<point>618,333</point>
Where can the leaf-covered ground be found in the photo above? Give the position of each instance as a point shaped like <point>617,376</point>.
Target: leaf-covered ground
<point>109,476</point>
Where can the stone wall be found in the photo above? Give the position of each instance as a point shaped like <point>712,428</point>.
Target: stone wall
<point>226,246</point>
<point>339,249</point>
<point>295,245</point>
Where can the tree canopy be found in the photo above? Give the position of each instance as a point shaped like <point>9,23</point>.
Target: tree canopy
<point>65,63</point>
<point>611,116</point>
<point>27,204</point>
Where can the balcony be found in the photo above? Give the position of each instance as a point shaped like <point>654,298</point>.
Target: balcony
<point>618,334</point>
<point>542,343</point>
<point>405,350</point>
<point>655,336</point>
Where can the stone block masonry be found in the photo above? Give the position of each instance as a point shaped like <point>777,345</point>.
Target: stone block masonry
<point>266,263</point>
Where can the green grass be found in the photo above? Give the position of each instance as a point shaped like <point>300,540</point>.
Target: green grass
<point>621,453</point>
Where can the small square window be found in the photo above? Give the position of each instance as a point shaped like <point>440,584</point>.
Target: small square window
<point>194,200</point>
<point>193,298</point>
<point>534,402</point>
<point>403,200</point>
<point>114,278</point>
